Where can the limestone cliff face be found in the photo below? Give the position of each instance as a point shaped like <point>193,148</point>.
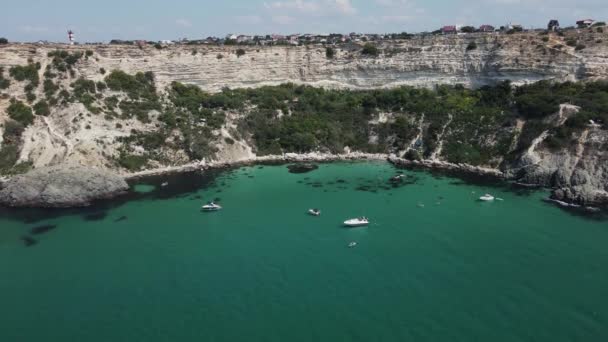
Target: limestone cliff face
<point>422,61</point>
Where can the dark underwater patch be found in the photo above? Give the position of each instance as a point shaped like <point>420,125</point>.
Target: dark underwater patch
<point>42,229</point>
<point>97,216</point>
<point>122,218</point>
<point>28,241</point>
<point>301,168</point>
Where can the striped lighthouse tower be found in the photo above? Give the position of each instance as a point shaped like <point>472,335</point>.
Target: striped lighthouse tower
<point>71,37</point>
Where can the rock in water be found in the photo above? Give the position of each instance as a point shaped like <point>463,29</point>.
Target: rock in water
<point>301,168</point>
<point>61,187</point>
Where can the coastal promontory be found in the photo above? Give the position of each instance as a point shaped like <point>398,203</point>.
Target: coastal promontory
<point>60,187</point>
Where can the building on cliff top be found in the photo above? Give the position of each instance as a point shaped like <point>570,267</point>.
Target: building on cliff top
<point>585,23</point>
<point>553,25</point>
<point>449,29</point>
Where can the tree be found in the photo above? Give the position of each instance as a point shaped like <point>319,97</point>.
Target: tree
<point>370,50</point>
<point>158,46</point>
<point>329,52</point>
<point>3,41</point>
<point>471,46</point>
<point>467,29</point>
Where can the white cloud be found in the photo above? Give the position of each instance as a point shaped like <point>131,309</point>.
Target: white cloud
<point>321,7</point>
<point>296,5</point>
<point>344,6</point>
<point>283,19</point>
<point>249,19</point>
<point>397,18</point>
<point>393,3</point>
<point>33,29</point>
<point>183,22</point>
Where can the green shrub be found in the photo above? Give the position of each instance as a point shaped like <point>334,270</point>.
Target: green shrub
<point>49,87</point>
<point>101,86</point>
<point>140,85</point>
<point>370,50</point>
<point>194,52</point>
<point>158,46</point>
<point>20,112</point>
<point>12,132</point>
<point>9,154</point>
<point>580,47</point>
<point>240,52</point>
<point>30,97</point>
<point>102,71</point>
<point>42,108</point>
<point>4,83</point>
<point>3,41</point>
<point>571,42</point>
<point>89,53</point>
<point>25,72</point>
<point>132,162</point>
<point>471,46</point>
<point>329,52</point>
<point>63,60</point>
<point>219,56</point>
<point>545,39</point>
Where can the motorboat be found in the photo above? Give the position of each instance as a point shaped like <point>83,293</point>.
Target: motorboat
<point>314,212</point>
<point>486,198</point>
<point>352,244</point>
<point>164,184</point>
<point>357,222</point>
<point>211,206</point>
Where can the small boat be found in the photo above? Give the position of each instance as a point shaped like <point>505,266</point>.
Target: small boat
<point>314,212</point>
<point>357,222</point>
<point>352,244</point>
<point>164,184</point>
<point>211,206</point>
<point>486,198</point>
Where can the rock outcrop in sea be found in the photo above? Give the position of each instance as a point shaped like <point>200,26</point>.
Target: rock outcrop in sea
<point>61,187</point>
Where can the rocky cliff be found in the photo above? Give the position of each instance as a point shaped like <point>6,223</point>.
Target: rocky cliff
<point>89,125</point>
<point>421,61</point>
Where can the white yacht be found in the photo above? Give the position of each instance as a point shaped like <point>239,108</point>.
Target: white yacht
<point>357,222</point>
<point>352,244</point>
<point>486,198</point>
<point>211,206</point>
<point>314,212</point>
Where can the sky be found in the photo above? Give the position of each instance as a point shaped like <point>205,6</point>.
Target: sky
<point>103,20</point>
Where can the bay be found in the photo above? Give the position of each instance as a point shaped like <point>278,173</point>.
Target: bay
<point>435,264</point>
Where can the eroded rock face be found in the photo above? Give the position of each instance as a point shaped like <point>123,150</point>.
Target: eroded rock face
<point>60,187</point>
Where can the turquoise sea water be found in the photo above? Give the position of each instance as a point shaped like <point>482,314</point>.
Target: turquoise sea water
<point>434,265</point>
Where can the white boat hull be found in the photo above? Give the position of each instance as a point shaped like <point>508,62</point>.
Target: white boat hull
<point>355,223</point>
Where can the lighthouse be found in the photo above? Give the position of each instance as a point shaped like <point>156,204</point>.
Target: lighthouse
<point>71,37</point>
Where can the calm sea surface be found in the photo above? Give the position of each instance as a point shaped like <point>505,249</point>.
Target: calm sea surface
<point>434,265</point>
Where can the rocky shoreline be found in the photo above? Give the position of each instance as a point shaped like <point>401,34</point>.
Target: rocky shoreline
<point>61,187</point>
<point>67,186</point>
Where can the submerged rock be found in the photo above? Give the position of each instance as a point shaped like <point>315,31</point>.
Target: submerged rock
<point>301,168</point>
<point>61,187</point>
<point>42,229</point>
<point>28,241</point>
